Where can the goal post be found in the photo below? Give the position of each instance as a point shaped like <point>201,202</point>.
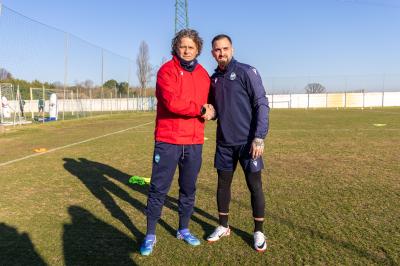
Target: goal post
<point>8,105</point>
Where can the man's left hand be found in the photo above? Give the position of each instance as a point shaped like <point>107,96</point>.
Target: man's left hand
<point>257,148</point>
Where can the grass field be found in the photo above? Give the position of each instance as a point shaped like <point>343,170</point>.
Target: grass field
<point>332,186</point>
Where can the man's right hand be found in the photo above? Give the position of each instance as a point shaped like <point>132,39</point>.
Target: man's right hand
<point>209,112</point>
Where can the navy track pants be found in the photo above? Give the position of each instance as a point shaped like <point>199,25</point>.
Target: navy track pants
<point>165,160</point>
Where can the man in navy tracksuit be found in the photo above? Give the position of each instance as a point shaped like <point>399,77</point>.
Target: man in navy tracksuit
<point>242,110</point>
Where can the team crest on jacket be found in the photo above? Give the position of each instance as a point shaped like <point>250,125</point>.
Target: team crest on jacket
<point>233,76</point>
<point>215,80</point>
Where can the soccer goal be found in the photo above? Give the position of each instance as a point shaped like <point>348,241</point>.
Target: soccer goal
<point>12,105</point>
<point>44,104</point>
<point>8,104</point>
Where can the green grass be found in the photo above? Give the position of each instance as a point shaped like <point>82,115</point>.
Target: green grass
<point>331,184</point>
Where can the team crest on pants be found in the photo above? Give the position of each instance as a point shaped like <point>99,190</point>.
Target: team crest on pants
<point>157,158</point>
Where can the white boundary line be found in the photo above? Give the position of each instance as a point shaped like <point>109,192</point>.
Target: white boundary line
<point>72,144</point>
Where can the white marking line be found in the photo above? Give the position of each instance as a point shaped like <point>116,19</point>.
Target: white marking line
<point>73,144</point>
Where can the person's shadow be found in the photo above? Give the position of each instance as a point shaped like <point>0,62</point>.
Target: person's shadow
<point>102,188</point>
<point>89,241</point>
<point>95,176</point>
<point>17,248</point>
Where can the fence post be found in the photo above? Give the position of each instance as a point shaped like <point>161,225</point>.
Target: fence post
<point>91,101</point>
<point>363,100</point>
<point>30,103</point>
<point>326,100</point>
<point>383,98</point>
<point>345,100</point>
<point>77,102</point>
<point>272,99</point>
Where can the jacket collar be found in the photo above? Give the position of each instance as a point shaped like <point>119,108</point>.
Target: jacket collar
<point>178,62</point>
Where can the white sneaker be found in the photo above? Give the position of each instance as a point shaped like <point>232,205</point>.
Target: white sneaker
<point>260,244</point>
<point>219,232</point>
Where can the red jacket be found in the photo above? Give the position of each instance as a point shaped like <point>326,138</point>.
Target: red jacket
<point>180,96</point>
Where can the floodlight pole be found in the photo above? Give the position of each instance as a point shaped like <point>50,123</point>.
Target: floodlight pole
<point>65,71</point>
<point>102,78</point>
<point>181,15</point>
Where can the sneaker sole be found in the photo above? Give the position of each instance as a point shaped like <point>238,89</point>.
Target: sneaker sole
<point>228,233</point>
<point>261,250</point>
<point>193,245</point>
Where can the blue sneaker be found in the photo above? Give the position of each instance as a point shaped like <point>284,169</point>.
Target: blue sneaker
<point>188,237</point>
<point>147,246</point>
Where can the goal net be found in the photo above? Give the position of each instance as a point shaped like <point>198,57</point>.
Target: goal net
<point>8,107</point>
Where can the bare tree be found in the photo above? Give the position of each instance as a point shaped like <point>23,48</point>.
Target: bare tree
<point>315,88</point>
<point>4,74</point>
<point>88,84</point>
<point>163,60</point>
<point>144,68</point>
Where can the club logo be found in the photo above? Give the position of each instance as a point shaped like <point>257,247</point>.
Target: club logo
<point>233,76</point>
<point>255,163</point>
<point>215,80</point>
<point>157,158</point>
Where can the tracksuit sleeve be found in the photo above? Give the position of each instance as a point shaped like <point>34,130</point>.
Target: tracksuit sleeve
<point>259,102</point>
<point>167,92</point>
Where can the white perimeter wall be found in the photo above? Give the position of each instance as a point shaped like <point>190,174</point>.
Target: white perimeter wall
<point>335,100</point>
<point>325,100</point>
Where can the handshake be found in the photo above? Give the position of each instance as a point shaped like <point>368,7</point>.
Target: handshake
<point>208,112</point>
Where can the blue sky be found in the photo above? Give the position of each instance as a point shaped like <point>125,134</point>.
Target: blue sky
<point>283,39</point>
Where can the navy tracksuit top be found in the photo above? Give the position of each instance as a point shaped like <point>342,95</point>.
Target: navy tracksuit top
<point>241,103</point>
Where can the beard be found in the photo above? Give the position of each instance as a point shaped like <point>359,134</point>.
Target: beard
<point>224,62</point>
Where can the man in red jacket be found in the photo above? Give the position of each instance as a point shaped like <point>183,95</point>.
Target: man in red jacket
<point>182,91</point>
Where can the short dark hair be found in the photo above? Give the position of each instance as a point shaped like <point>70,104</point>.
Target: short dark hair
<point>219,37</point>
<point>189,33</point>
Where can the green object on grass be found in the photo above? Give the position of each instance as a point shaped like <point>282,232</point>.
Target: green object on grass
<point>140,180</point>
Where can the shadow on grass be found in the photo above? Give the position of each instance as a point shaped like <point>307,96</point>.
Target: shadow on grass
<point>96,181</point>
<point>384,259</point>
<point>16,248</point>
<point>96,176</point>
<point>90,241</point>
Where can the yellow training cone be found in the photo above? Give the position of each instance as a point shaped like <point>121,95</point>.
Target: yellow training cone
<point>40,150</point>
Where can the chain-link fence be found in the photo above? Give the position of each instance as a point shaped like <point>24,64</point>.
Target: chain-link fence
<point>86,79</point>
<point>41,60</point>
